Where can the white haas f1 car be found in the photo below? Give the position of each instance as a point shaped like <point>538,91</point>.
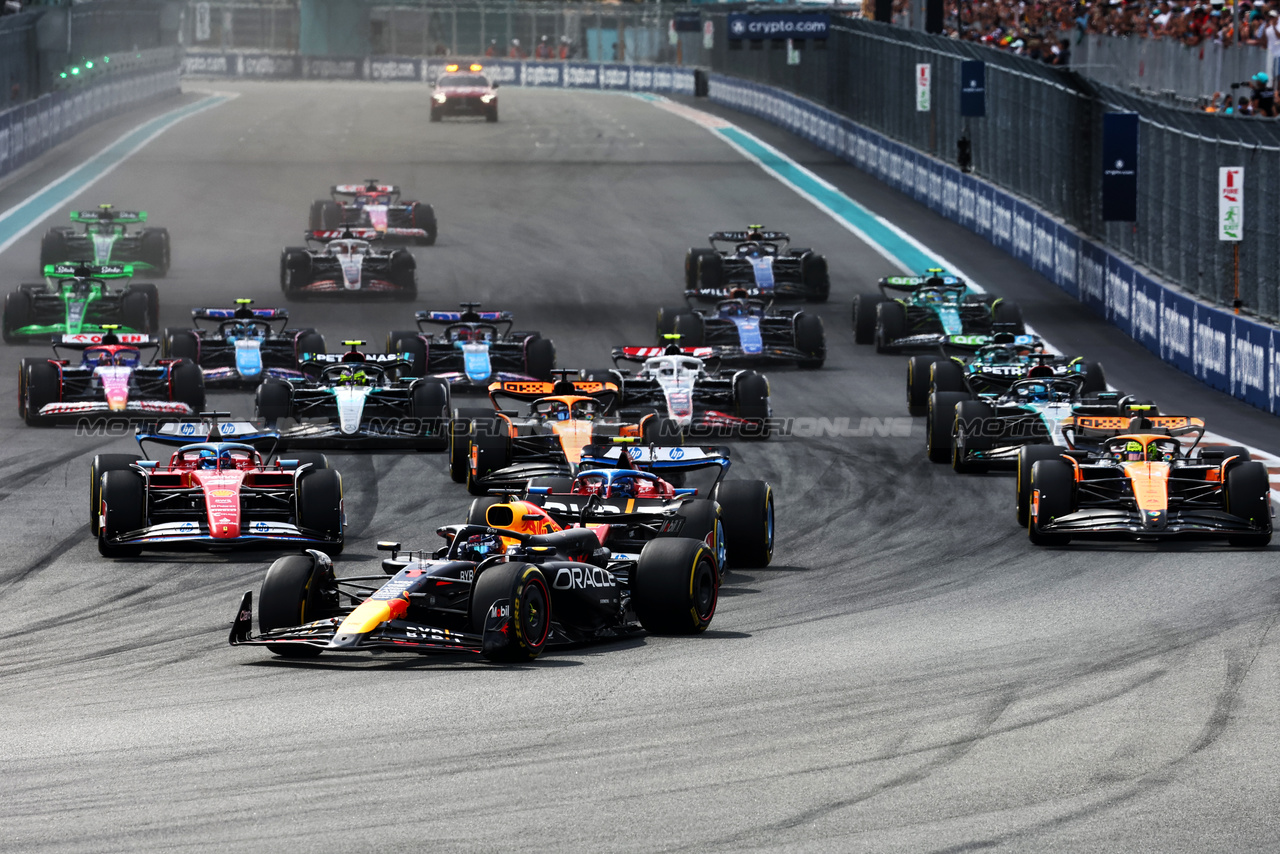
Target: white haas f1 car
<point>109,383</point>
<point>374,206</point>
<point>217,493</point>
<point>358,400</point>
<point>684,384</point>
<point>347,265</point>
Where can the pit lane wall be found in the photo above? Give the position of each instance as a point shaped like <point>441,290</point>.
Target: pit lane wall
<point>1225,351</point>
<point>571,75</point>
<point>30,129</point>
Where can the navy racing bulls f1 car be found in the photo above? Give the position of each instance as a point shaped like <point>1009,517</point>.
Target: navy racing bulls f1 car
<point>374,206</point>
<point>217,493</point>
<point>475,348</point>
<point>493,589</point>
<point>758,261</point>
<point>246,345</point>
<point>357,400</point>
<point>347,265</point>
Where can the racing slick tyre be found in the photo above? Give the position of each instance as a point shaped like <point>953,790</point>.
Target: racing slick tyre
<point>751,397</point>
<point>53,247</point>
<point>940,422</point>
<point>308,343</point>
<point>38,386</point>
<point>691,259</point>
<point>1007,317</point>
<point>135,311</point>
<point>1095,379</point>
<point>675,588</point>
<point>946,375</point>
<point>152,294</point>
<point>970,434</point>
<point>1247,494</point>
<point>123,496</point>
<point>1052,485</point>
<point>703,520</point>
<point>918,370</point>
<point>667,319</point>
<point>320,506</point>
<point>315,459</point>
<point>661,431</point>
<point>891,324</point>
<point>540,357</point>
<point>1028,456</point>
<point>810,338</point>
<point>491,114</point>
<point>747,509</point>
<point>330,215</point>
<point>295,593</point>
<point>295,269</point>
<point>864,319</point>
<point>103,463</point>
<point>691,329</point>
<point>480,506</point>
<point>525,590</point>
<point>710,272</point>
<point>817,280</point>
<point>273,401</point>
<point>491,447</point>
<point>431,404</point>
<point>155,250</point>
<point>403,272</point>
<point>314,221</point>
<point>435,114</point>
<point>1217,455</point>
<point>186,384</point>
<point>179,344</point>
<point>557,485</point>
<point>424,217</point>
<point>459,449</point>
<point>18,312</point>
<point>408,342</point>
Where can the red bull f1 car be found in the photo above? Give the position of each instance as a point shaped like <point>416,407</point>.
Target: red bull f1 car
<point>475,348</point>
<point>377,207</point>
<point>106,240</point>
<point>110,382</point>
<point>357,400</point>
<point>744,331</point>
<point>218,493</point>
<point>345,264</point>
<point>507,589</point>
<point>1148,486</point>
<point>464,92</point>
<point>247,345</point>
<point>758,262</point>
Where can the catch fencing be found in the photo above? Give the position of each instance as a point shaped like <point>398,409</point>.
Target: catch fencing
<point>1167,68</point>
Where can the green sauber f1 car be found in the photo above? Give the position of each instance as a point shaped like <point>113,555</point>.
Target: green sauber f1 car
<point>106,239</point>
<point>80,299</point>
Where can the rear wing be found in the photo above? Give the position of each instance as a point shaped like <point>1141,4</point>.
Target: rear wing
<point>88,271</point>
<point>205,428</point>
<point>325,235</point>
<point>641,354</point>
<point>122,217</point>
<point>627,452</point>
<point>233,313</point>
<point>744,236</point>
<point>444,317</point>
<point>911,284</point>
<point>362,189</point>
<point>382,360</point>
<point>1097,427</point>
<point>531,390</point>
<point>90,339</point>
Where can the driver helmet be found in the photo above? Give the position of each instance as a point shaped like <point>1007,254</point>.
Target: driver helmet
<point>127,359</point>
<point>755,233</point>
<point>479,546</point>
<point>1133,451</point>
<point>623,487</point>
<point>558,411</point>
<point>931,296</point>
<point>208,459</point>
<point>356,377</point>
<point>1155,454</point>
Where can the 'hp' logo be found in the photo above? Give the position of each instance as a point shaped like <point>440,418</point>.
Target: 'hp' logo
<point>188,429</point>
<point>677,453</point>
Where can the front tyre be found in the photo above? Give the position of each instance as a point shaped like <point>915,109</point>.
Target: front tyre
<point>294,593</point>
<point>528,611</point>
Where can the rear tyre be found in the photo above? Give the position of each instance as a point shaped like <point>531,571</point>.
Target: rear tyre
<point>811,339</point>
<point>294,593</point>
<point>1052,484</point>
<point>309,343</point>
<point>320,507</point>
<point>480,506</point>
<point>691,329</point>
<point>918,371</point>
<point>180,344</point>
<point>710,272</point>
<point>53,248</point>
<point>540,358</point>
<point>864,319</point>
<point>491,446</point>
<point>691,259</point>
<point>40,386</point>
<point>1247,494</point>
<point>314,221</point>
<point>817,280</point>
<point>747,509</point>
<point>424,217</point>
<point>946,375</point>
<point>970,434</point>
<point>123,499</point>
<point>459,449</point>
<point>1095,379</point>
<point>103,463</point>
<point>186,384</point>
<point>408,342</point>
<point>661,431</point>
<point>1007,317</point>
<point>431,401</point>
<point>751,396</point>
<point>676,587</point>
<point>295,269</point>
<point>19,311</point>
<point>273,401</point>
<point>135,311</point>
<point>667,318</point>
<point>891,324</point>
<point>941,420</point>
<point>1028,456</point>
<point>492,114</point>
<point>155,250</point>
<point>525,590</point>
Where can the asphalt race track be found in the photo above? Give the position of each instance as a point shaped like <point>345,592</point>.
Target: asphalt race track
<point>910,674</point>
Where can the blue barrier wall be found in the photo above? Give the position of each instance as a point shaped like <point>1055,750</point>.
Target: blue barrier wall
<point>1223,350</point>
